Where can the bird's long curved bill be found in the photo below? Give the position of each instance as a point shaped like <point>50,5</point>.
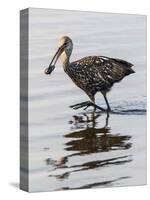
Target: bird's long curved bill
<point>53,61</point>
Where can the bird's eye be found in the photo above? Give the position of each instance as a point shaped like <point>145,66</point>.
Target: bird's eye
<point>65,43</point>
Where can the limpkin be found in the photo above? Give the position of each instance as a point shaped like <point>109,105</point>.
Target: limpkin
<point>92,74</point>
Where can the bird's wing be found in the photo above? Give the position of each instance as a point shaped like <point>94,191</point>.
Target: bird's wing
<point>114,70</point>
<point>103,69</point>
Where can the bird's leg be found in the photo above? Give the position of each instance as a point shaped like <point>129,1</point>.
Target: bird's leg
<point>92,97</point>
<point>86,104</point>
<point>108,107</point>
<point>107,118</point>
<point>80,105</point>
<point>93,100</point>
<point>94,105</point>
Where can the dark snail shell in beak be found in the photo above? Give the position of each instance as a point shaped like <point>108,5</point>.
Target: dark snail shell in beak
<point>49,69</point>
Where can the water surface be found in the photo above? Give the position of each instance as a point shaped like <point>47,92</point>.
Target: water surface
<point>73,149</point>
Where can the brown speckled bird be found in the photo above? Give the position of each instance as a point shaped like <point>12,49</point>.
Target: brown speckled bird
<point>92,74</point>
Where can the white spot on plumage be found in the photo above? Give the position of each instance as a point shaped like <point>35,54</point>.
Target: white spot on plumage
<point>104,58</point>
<point>109,77</point>
<point>101,60</point>
<point>100,76</point>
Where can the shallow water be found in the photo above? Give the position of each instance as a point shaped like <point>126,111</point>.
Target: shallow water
<point>72,149</point>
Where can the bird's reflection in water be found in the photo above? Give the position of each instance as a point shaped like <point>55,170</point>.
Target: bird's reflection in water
<point>86,138</point>
<point>90,139</point>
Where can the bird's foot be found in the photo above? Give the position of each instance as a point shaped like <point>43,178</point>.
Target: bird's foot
<point>85,105</point>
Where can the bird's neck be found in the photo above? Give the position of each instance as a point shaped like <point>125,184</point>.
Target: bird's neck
<point>65,59</point>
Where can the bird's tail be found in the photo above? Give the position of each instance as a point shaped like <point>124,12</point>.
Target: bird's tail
<point>129,70</point>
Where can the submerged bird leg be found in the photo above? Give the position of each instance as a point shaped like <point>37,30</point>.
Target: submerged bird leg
<point>108,107</point>
<point>107,118</point>
<point>92,97</point>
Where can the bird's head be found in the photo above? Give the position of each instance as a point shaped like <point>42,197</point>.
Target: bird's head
<point>64,50</point>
